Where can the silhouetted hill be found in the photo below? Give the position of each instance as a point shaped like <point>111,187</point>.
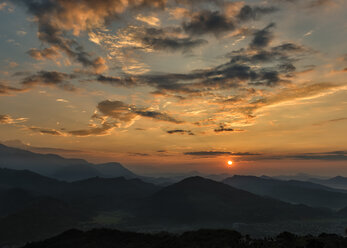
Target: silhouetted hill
<point>107,238</point>
<point>108,193</point>
<point>12,200</point>
<point>58,167</point>
<point>200,200</point>
<point>307,193</point>
<point>42,218</point>
<point>28,180</point>
<point>338,182</point>
<point>112,170</point>
<point>45,164</point>
<point>76,172</point>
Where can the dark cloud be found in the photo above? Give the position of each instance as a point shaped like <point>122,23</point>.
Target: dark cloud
<point>123,112</point>
<point>219,153</point>
<point>9,90</point>
<point>254,13</point>
<point>117,110</point>
<point>173,44</point>
<point>50,78</point>
<point>206,22</point>
<point>263,37</point>
<point>157,115</point>
<point>138,154</point>
<point>222,128</point>
<point>335,155</point>
<point>325,156</point>
<point>161,39</point>
<point>309,3</point>
<point>117,81</point>
<point>104,129</point>
<point>207,153</point>
<point>46,131</point>
<point>180,131</point>
<point>270,66</point>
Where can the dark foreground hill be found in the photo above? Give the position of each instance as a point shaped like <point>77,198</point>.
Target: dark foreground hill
<point>34,207</point>
<point>201,200</point>
<point>293,191</point>
<point>105,238</point>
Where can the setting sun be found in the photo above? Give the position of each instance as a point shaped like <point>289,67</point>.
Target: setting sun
<point>230,162</point>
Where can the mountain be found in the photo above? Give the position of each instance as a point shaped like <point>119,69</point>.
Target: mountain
<point>13,200</point>
<point>76,172</point>
<point>292,191</point>
<point>338,182</point>
<point>33,206</point>
<point>42,218</point>
<point>113,169</point>
<point>58,167</point>
<point>45,164</point>
<point>299,177</point>
<point>28,180</point>
<point>108,193</point>
<point>204,201</point>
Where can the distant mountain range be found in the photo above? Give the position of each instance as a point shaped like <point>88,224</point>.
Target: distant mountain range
<point>201,200</point>
<point>27,197</point>
<point>44,194</point>
<point>335,182</point>
<point>55,166</point>
<point>308,193</point>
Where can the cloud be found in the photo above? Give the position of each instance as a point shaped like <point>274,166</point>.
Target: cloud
<point>50,78</point>
<point>254,13</point>
<point>298,92</point>
<point>3,5</point>
<point>9,90</point>
<point>47,53</point>
<point>116,110</point>
<point>138,154</point>
<point>330,121</point>
<point>62,100</point>
<point>104,129</point>
<point>49,131</point>
<point>222,128</point>
<point>117,81</point>
<point>180,131</point>
<point>7,119</point>
<point>172,44</point>
<point>325,156</point>
<point>331,156</point>
<point>56,18</point>
<point>206,21</point>
<point>219,153</point>
<point>150,20</point>
<point>157,115</point>
<point>122,112</point>
<point>263,37</point>
<point>310,3</point>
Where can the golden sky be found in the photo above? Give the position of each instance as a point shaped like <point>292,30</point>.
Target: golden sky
<point>177,85</point>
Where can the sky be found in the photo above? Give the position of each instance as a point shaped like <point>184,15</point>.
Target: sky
<point>178,85</point>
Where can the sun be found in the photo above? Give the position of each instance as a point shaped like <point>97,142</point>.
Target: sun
<point>230,162</point>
